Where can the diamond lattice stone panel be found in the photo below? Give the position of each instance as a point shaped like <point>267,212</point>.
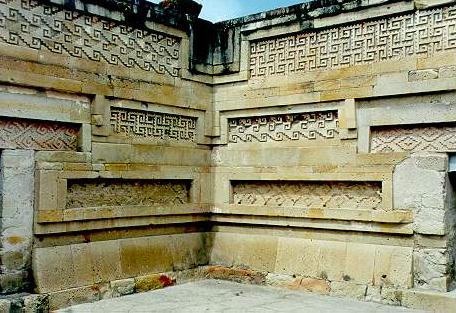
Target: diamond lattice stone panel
<point>437,138</point>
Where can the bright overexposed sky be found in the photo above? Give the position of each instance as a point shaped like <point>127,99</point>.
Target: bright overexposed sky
<point>219,10</point>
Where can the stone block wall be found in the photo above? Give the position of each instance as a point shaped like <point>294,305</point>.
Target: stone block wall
<point>17,190</point>
<point>316,158</point>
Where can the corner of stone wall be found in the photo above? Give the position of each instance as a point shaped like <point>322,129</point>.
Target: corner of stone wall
<point>421,183</point>
<point>451,218</point>
<point>16,229</point>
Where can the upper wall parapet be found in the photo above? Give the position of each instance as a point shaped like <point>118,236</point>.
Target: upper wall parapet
<point>164,44</point>
<point>241,46</point>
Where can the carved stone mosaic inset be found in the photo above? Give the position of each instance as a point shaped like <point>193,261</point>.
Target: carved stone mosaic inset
<point>424,32</point>
<point>438,138</point>
<point>31,24</point>
<point>115,192</point>
<point>349,195</point>
<point>290,127</point>
<point>37,135</point>
<point>158,126</point>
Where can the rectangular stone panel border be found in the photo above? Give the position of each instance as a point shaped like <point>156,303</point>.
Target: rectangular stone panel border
<point>52,215</point>
<point>103,115</point>
<point>380,113</point>
<point>223,119</point>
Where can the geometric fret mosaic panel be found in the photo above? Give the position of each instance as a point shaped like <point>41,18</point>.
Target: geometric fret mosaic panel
<point>153,125</point>
<point>308,194</point>
<point>32,24</point>
<point>423,33</point>
<point>413,138</point>
<point>37,135</point>
<point>286,127</point>
<point>86,193</point>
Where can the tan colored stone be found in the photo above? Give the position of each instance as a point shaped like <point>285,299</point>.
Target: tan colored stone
<point>235,274</point>
<point>74,296</point>
<point>423,74</point>
<point>145,255</point>
<point>255,252</point>
<point>359,267</point>
<point>122,287</point>
<point>393,267</point>
<point>298,256</point>
<point>428,300</point>
<point>333,258</point>
<point>348,289</point>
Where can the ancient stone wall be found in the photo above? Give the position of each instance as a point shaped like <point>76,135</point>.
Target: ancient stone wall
<point>316,158</point>
<point>112,183</point>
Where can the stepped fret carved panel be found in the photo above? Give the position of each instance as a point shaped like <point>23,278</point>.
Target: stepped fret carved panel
<point>86,193</point>
<point>349,195</point>
<point>152,125</point>
<point>37,135</point>
<point>423,33</point>
<point>32,24</point>
<point>437,138</point>
<point>289,127</point>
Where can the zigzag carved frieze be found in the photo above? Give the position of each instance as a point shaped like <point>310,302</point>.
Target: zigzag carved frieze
<point>287,127</point>
<point>31,24</point>
<point>115,192</point>
<point>353,195</point>
<point>423,33</point>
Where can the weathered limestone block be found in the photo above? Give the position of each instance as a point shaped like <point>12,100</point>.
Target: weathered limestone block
<point>68,297</point>
<point>122,287</point>
<point>17,191</point>
<point>419,183</point>
<point>294,282</point>
<point>429,300</point>
<point>36,304</point>
<point>250,251</point>
<point>422,184</point>
<point>447,71</point>
<point>423,74</point>
<point>432,269</point>
<point>383,294</point>
<point>347,289</point>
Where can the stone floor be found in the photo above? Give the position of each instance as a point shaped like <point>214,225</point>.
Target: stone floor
<point>228,297</point>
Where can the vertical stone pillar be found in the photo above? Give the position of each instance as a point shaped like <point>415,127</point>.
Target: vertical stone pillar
<point>422,183</point>
<point>16,228</point>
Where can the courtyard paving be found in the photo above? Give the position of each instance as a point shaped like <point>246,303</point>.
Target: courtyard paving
<point>228,297</point>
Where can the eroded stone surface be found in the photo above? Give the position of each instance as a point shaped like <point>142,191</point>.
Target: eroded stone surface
<point>217,296</point>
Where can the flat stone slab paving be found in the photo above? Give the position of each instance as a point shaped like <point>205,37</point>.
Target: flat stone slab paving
<point>228,297</point>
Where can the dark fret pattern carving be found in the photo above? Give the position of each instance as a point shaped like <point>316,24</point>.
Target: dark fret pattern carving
<point>424,32</point>
<point>145,124</point>
<point>30,24</point>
